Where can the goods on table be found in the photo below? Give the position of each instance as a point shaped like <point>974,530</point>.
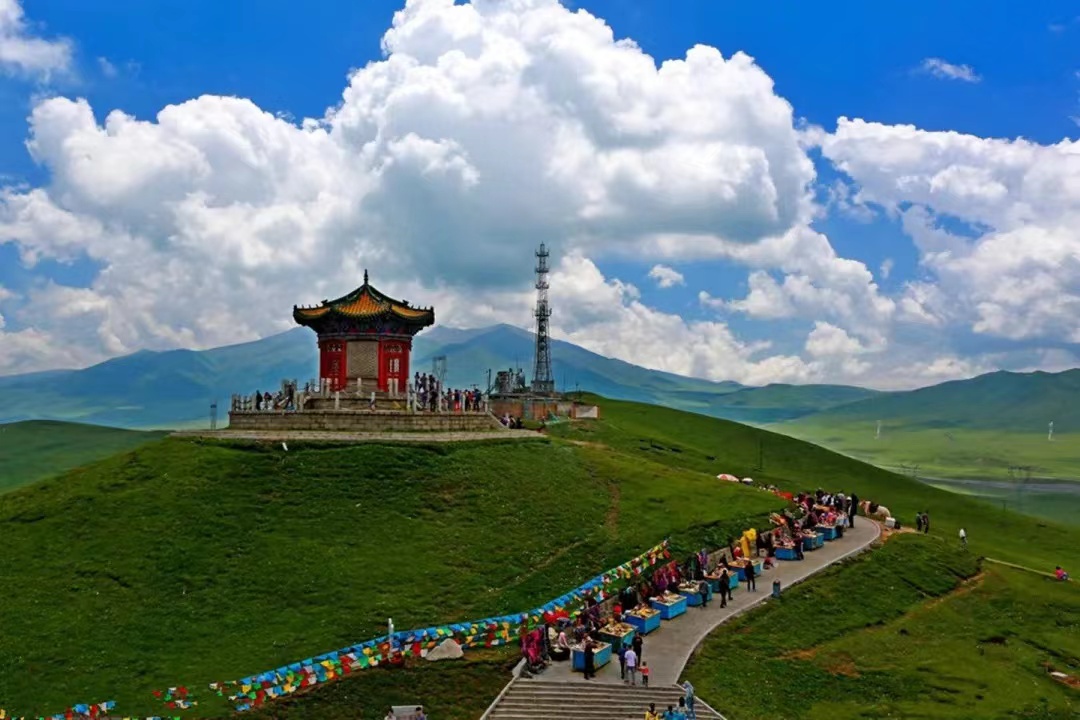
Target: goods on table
<point>643,612</point>
<point>617,629</point>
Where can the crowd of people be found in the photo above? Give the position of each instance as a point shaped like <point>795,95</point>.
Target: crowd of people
<point>429,395</point>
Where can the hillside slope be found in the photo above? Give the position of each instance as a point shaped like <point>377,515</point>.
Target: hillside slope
<point>186,562</point>
<point>1019,402</point>
<point>33,450</point>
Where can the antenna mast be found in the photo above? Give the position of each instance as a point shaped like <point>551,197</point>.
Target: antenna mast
<point>543,382</point>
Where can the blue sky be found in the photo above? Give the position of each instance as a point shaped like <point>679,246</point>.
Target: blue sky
<point>1010,72</point>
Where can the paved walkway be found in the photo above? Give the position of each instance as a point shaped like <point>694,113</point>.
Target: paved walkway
<point>668,649</point>
<point>359,437</point>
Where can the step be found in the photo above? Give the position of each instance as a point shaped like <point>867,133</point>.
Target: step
<point>530,699</point>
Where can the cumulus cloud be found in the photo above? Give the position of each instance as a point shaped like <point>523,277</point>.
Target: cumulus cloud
<point>949,71</point>
<point>666,277</point>
<point>488,128</point>
<point>994,222</point>
<point>21,51</point>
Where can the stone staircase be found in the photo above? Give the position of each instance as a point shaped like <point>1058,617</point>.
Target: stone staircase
<point>527,699</point>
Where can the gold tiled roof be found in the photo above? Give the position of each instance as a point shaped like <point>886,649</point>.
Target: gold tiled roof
<point>365,302</point>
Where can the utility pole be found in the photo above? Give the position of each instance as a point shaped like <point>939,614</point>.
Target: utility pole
<point>877,434</point>
<point>543,382</point>
<point>1050,436</point>
<point>213,415</point>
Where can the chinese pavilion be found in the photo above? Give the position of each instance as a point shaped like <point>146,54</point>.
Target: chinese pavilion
<point>365,336</point>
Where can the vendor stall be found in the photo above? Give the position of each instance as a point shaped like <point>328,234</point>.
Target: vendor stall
<point>669,605</point>
<point>714,580</point>
<point>692,593</point>
<point>644,620</point>
<point>812,541</point>
<point>786,552</point>
<point>827,531</point>
<point>618,634</point>
<point>740,566</point>
<point>601,656</point>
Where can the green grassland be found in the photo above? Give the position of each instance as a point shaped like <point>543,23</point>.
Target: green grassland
<point>947,453</point>
<point>186,562</point>
<point>695,442</point>
<point>909,630</point>
<point>37,449</point>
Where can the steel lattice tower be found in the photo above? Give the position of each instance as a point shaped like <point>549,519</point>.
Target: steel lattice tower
<point>543,382</point>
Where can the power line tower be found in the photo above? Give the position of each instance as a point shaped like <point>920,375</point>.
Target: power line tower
<point>543,382</point>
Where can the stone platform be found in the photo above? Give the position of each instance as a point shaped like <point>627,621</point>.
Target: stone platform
<point>359,437</point>
<point>364,421</point>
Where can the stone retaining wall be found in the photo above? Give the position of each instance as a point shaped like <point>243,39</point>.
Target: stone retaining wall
<point>363,421</point>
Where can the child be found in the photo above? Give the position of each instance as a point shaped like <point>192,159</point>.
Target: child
<point>644,674</point>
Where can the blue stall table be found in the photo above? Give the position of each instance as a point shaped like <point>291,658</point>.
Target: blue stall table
<point>813,541</point>
<point>644,620</point>
<point>619,635</point>
<point>669,605</point>
<point>692,593</point>
<point>756,565</point>
<point>601,656</point>
<point>714,580</point>
<point>827,531</point>
<point>786,553</point>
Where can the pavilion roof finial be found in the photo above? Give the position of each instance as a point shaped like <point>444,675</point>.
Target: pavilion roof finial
<point>365,276</point>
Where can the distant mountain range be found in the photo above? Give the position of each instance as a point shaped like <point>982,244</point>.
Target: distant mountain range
<point>175,388</point>
<point>1015,402</point>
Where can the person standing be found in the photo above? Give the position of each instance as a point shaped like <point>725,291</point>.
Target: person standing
<point>963,538</point>
<point>925,523</point>
<point>751,581</point>
<point>631,665</point>
<point>622,662</point>
<point>853,501</point>
<point>918,522</point>
<point>703,588</point>
<point>691,712</point>
<point>590,660</point>
<point>725,587</point>
<point>638,644</point>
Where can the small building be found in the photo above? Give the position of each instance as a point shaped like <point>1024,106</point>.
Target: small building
<point>365,339</point>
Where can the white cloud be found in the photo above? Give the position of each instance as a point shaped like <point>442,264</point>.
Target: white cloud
<point>994,222</point>
<point>491,127</point>
<point>666,277</point>
<point>886,268</point>
<point>108,69</point>
<point>486,121</point>
<point>21,51</point>
<point>949,71</point>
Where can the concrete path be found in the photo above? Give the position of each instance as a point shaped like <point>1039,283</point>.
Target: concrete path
<point>668,649</point>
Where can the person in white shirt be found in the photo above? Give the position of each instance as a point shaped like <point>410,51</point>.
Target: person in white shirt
<point>631,666</point>
<point>963,537</point>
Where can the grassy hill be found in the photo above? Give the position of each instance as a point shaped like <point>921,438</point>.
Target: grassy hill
<point>34,450</point>
<point>185,562</point>
<point>1016,402</point>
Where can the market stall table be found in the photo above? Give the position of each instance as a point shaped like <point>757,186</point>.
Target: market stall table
<point>786,552</point>
<point>692,593</point>
<point>669,605</point>
<point>827,531</point>
<point>714,580</point>
<point>601,656</point>
<point>812,541</point>
<point>644,619</point>
<point>739,566</point>
<point>618,634</point>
